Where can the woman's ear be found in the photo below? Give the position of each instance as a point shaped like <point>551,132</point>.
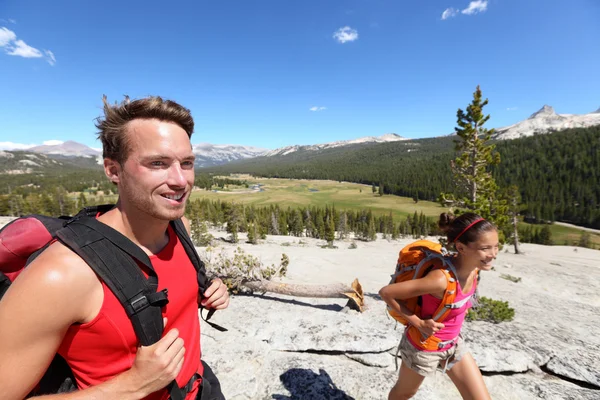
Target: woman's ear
<point>460,247</point>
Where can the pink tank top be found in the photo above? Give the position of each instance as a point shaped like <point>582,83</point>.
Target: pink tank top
<point>106,346</point>
<point>454,320</point>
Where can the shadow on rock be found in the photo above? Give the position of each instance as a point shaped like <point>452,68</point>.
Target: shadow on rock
<point>304,384</point>
<point>326,307</point>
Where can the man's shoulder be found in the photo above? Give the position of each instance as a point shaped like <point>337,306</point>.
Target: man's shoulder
<point>62,268</point>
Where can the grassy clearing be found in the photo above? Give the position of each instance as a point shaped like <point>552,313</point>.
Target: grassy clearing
<point>302,193</point>
<point>566,235</point>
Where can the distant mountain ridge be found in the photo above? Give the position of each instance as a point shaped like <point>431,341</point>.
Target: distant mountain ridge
<point>68,148</point>
<point>546,120</point>
<point>389,137</point>
<point>543,121</point>
<point>217,154</point>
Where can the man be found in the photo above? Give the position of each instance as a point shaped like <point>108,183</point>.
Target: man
<point>58,304</point>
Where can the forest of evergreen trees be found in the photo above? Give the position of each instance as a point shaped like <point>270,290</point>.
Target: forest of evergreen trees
<point>557,174</point>
<point>326,223</point>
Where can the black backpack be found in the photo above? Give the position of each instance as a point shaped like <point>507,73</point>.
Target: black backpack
<point>113,257</point>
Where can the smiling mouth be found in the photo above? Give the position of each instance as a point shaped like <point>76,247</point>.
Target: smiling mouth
<point>175,197</point>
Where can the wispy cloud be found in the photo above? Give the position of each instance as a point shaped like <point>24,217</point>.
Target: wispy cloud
<point>50,57</point>
<point>14,146</point>
<point>22,146</point>
<point>52,142</point>
<point>475,7</point>
<point>511,108</point>
<point>6,36</point>
<point>345,34</point>
<point>317,108</point>
<point>17,47</point>
<point>22,49</point>
<point>10,20</point>
<point>449,13</point>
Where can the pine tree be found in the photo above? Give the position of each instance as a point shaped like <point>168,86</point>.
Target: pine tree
<point>200,235</point>
<point>82,200</point>
<point>381,189</point>
<point>274,227</point>
<point>475,187</point>
<point>330,231</point>
<point>343,226</point>
<point>514,206</point>
<point>233,222</point>
<point>371,234</point>
<point>252,233</point>
<point>545,236</point>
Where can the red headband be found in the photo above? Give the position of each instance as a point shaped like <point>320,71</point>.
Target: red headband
<point>467,228</point>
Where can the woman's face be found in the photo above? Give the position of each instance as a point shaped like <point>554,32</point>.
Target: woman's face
<point>482,252</point>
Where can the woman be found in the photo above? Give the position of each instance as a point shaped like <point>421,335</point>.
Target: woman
<point>476,242</point>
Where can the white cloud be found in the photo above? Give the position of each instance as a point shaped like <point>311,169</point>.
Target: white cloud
<point>20,48</point>
<point>17,47</point>
<point>14,146</point>
<point>53,142</point>
<point>345,34</point>
<point>511,108</point>
<point>50,57</point>
<point>6,36</point>
<point>475,7</point>
<point>449,13</point>
<point>12,21</point>
<point>316,108</point>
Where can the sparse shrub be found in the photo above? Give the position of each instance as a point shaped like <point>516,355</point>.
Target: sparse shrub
<point>352,245</point>
<point>242,268</point>
<point>490,310</point>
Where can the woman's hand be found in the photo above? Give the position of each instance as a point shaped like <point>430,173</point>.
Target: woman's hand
<point>429,327</point>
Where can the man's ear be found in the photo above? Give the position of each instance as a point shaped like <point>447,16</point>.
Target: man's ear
<point>112,169</point>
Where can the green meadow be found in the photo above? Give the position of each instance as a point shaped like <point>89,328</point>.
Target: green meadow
<point>345,196</point>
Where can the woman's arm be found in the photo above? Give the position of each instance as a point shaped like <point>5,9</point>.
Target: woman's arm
<point>433,283</point>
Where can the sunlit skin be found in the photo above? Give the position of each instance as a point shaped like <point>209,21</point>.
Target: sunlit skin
<point>160,165</point>
<point>479,254</point>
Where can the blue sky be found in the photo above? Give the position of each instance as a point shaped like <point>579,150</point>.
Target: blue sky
<point>271,73</point>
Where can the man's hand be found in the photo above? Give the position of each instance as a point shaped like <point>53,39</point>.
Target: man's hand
<point>216,296</point>
<point>157,365</point>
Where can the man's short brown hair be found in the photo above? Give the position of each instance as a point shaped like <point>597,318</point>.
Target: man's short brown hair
<point>113,127</point>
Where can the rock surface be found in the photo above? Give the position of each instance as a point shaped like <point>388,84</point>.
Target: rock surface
<point>279,347</point>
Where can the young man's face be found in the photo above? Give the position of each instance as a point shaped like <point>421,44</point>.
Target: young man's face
<point>158,175</point>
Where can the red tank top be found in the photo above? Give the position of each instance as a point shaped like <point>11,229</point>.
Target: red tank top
<point>106,346</point>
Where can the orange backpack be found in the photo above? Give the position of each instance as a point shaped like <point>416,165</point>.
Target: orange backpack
<point>414,262</point>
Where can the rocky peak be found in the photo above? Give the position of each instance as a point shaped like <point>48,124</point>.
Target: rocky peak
<point>545,111</point>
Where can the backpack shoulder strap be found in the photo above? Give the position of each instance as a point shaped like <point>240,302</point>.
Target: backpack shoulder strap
<point>447,302</point>
<point>182,233</point>
<point>111,255</point>
<point>203,281</point>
